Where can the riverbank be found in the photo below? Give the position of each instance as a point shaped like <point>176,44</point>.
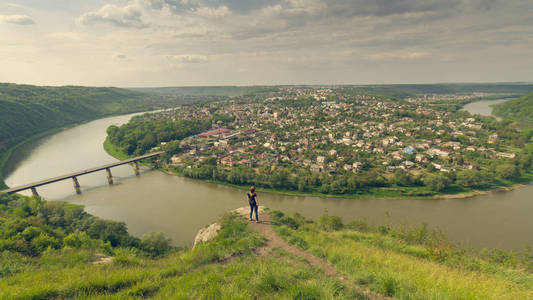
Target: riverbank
<point>4,158</point>
<point>390,193</point>
<point>376,193</point>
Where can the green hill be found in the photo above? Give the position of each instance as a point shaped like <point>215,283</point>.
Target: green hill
<point>520,110</point>
<point>27,111</point>
<point>51,250</point>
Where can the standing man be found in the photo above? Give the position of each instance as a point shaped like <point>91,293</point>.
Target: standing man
<point>252,200</point>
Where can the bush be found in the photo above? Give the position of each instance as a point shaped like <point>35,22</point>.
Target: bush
<point>43,241</point>
<point>72,240</point>
<point>330,223</point>
<point>156,244</point>
<point>359,226</point>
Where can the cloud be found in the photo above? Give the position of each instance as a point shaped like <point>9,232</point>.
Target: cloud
<point>129,16</point>
<point>213,12</point>
<point>16,19</point>
<point>119,56</point>
<point>187,58</point>
<point>398,55</point>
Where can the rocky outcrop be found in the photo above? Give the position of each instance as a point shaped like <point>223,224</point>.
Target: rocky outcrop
<point>207,233</point>
<point>210,232</point>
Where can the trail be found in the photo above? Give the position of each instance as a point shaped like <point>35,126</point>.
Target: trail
<point>274,241</point>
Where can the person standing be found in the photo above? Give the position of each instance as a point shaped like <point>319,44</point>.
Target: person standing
<point>252,200</point>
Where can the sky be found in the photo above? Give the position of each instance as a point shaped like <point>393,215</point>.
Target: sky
<point>149,43</point>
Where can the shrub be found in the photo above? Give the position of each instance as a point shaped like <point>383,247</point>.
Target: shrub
<point>156,244</point>
<point>72,240</point>
<point>330,223</point>
<point>43,241</point>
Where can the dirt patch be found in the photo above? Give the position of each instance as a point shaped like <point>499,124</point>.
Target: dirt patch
<point>102,259</point>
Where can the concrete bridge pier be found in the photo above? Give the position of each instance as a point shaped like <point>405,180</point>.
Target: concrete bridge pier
<point>135,166</point>
<point>76,185</point>
<point>34,192</point>
<point>109,176</point>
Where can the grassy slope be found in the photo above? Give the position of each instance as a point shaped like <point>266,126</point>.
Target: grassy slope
<point>520,110</point>
<point>389,265</point>
<point>227,268</point>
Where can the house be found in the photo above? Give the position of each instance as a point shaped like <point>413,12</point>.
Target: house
<point>219,132</point>
<point>175,160</point>
<point>227,161</point>
<point>408,150</point>
<point>320,159</point>
<point>438,152</point>
<point>316,168</point>
<point>493,138</point>
<point>356,166</point>
<point>505,155</point>
<point>347,141</point>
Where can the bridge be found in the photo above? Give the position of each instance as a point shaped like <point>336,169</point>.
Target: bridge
<point>74,176</point>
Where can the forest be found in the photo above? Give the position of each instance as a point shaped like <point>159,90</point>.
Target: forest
<point>520,110</point>
<point>30,226</point>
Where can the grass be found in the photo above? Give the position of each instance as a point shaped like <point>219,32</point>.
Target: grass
<point>413,264</point>
<point>404,263</point>
<point>224,268</point>
<point>114,150</point>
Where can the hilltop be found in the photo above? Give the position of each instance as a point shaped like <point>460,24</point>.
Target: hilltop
<point>281,258</point>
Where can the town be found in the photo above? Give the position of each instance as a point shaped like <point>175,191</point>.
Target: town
<point>308,136</point>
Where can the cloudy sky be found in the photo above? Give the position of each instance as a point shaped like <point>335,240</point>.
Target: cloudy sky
<point>131,43</point>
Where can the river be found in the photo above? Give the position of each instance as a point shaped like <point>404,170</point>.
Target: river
<point>179,206</point>
<point>484,107</point>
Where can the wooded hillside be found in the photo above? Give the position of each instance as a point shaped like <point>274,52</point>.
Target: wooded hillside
<point>27,110</point>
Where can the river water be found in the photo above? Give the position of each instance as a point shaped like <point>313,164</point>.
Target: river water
<point>483,108</point>
<point>179,207</point>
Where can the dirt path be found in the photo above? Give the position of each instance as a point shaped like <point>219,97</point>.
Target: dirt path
<point>274,241</point>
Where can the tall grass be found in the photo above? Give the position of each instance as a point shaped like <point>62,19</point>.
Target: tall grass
<point>410,263</point>
<point>224,268</point>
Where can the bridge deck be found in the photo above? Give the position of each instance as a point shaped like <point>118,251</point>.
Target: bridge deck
<point>79,173</point>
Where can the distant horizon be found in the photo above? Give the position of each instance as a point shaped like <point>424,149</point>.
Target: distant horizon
<point>274,85</point>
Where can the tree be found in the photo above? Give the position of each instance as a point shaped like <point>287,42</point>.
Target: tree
<point>155,243</point>
<point>436,182</point>
<point>474,178</point>
<point>401,177</point>
<point>507,171</point>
